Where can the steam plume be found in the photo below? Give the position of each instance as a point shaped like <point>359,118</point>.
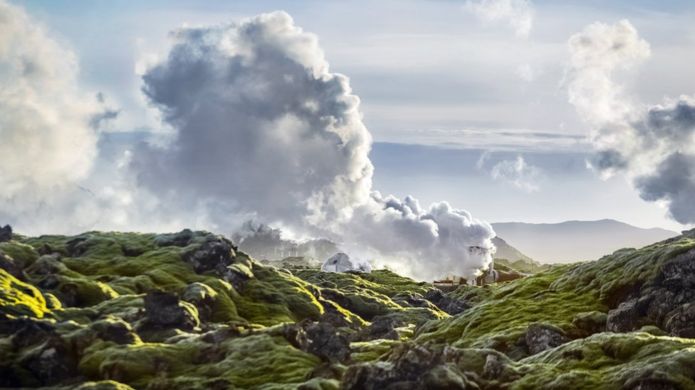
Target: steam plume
<point>263,127</point>
<point>47,142</point>
<point>653,145</point>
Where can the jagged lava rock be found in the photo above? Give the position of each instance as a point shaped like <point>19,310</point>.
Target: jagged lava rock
<point>540,337</point>
<point>165,310</point>
<point>5,233</point>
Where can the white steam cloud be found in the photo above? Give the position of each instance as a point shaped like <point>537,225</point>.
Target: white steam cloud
<point>263,127</point>
<point>518,173</point>
<point>654,146</point>
<point>260,122</point>
<point>54,177</point>
<point>427,243</point>
<point>517,14</point>
<point>46,141</point>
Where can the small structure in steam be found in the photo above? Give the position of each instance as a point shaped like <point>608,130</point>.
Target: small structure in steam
<point>341,262</point>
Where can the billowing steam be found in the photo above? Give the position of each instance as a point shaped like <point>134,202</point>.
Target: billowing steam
<point>427,243</point>
<point>654,146</point>
<point>264,127</point>
<point>260,121</point>
<point>46,142</point>
<point>261,129</point>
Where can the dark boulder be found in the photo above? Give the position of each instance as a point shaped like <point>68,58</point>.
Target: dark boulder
<point>408,299</point>
<point>182,238</point>
<point>540,337</point>
<point>324,341</point>
<point>445,302</point>
<point>237,276</point>
<point>165,310</point>
<point>5,233</point>
<point>27,331</point>
<point>382,327</point>
<point>319,338</point>
<point>115,330</point>
<point>681,321</point>
<point>53,362</point>
<point>410,366</point>
<point>335,318</point>
<point>77,246</point>
<point>666,301</point>
<point>215,254</point>
<point>624,318</point>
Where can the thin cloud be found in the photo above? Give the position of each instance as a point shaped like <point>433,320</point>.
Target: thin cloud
<point>517,14</point>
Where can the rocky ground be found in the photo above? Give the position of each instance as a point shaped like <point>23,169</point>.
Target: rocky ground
<point>190,311</point>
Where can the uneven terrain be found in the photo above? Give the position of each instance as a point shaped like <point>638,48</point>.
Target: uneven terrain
<point>190,311</point>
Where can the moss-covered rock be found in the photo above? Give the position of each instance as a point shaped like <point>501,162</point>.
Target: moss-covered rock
<point>19,298</point>
<point>78,312</point>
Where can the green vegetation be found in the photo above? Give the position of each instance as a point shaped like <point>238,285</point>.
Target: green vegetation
<point>87,307</point>
<point>19,298</point>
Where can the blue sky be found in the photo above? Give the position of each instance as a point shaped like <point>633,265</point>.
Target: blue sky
<point>439,89</point>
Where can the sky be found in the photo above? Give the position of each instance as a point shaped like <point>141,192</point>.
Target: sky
<point>466,101</point>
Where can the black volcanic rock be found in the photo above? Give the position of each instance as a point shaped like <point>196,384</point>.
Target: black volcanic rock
<point>182,238</point>
<point>540,337</point>
<point>446,303</point>
<point>410,366</point>
<point>52,362</point>
<point>667,301</point>
<point>164,310</point>
<point>5,233</point>
<point>214,254</point>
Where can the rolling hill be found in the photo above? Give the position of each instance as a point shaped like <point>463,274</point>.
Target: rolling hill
<point>576,240</point>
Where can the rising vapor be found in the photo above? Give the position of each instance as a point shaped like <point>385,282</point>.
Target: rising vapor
<point>260,121</point>
<point>653,145</point>
<point>47,142</point>
<point>263,127</point>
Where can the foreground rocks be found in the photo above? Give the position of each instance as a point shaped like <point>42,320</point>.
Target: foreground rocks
<point>5,233</point>
<point>165,310</point>
<point>189,310</point>
<point>667,301</point>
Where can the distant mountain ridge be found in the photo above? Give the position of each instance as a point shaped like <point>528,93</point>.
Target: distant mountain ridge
<point>576,240</point>
<point>506,251</point>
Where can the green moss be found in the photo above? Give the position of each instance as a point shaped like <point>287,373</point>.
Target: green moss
<point>274,296</point>
<point>383,282</point>
<point>245,362</point>
<point>366,351</point>
<point>103,385</point>
<point>86,291</point>
<point>371,294</point>
<point>19,298</point>
<point>610,361</point>
<point>556,296</point>
<point>52,302</point>
<point>24,254</point>
<point>510,308</point>
<point>241,340</point>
